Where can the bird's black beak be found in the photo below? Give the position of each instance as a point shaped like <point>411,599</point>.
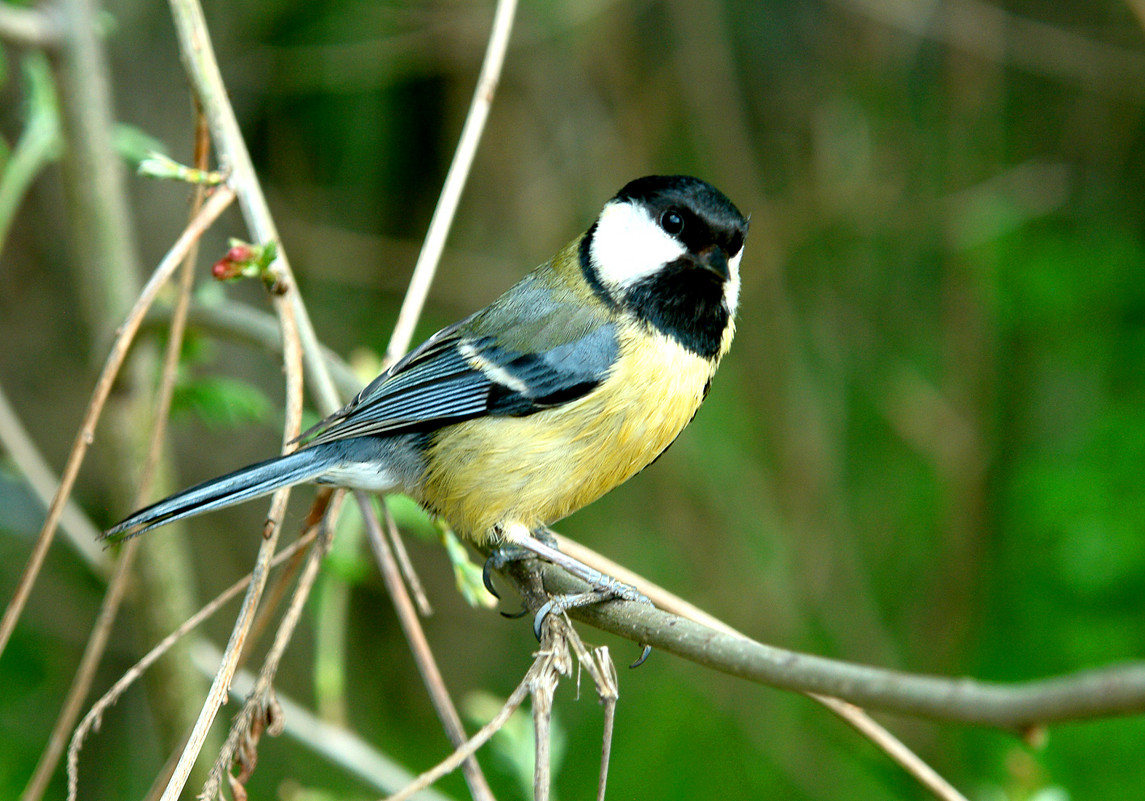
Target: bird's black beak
<point>715,260</point>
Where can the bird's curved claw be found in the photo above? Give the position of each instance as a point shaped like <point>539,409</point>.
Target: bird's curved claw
<point>547,608</point>
<point>498,559</point>
<point>647,652</point>
<point>487,575</point>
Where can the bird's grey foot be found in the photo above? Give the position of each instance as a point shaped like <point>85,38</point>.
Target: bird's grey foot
<point>542,543</point>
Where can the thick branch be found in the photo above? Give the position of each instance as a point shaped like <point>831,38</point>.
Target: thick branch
<point>1115,690</point>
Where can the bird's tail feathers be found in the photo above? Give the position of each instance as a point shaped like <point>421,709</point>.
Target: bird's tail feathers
<point>243,484</point>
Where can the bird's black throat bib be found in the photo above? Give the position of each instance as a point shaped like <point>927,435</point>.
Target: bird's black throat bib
<point>685,304</point>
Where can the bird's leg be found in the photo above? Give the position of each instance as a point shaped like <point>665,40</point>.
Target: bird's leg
<point>520,543</point>
<point>509,552</point>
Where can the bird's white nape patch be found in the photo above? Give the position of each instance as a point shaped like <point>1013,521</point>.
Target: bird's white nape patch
<point>731,288</point>
<point>628,244</point>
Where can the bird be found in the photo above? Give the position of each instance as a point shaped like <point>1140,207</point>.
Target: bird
<point>571,382</point>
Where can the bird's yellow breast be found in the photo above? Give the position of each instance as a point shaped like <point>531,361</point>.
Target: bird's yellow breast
<point>537,469</point>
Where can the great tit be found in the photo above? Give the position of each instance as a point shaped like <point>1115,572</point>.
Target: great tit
<point>564,387</point>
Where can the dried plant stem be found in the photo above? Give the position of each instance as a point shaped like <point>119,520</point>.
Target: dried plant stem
<point>30,27</point>
<point>338,745</point>
<point>409,575</point>
<point>202,68</point>
<point>412,304</point>
<point>292,361</point>
<point>21,449</point>
<point>923,773</point>
<point>260,695</point>
<point>86,435</point>
<point>467,749</point>
<point>552,661</point>
<point>81,681</point>
<point>419,645</point>
<point>442,219</point>
<point>97,641</point>
<point>92,719</point>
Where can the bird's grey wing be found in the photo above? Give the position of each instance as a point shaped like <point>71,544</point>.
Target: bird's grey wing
<point>468,370</point>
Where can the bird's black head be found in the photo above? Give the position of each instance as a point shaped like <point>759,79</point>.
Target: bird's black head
<point>668,248</point>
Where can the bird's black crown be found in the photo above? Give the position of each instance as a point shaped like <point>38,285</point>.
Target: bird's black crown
<point>709,217</point>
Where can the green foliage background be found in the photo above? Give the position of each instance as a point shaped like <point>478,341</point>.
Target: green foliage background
<point>925,450</point>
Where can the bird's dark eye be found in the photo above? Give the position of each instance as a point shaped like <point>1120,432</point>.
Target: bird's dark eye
<point>672,222</point>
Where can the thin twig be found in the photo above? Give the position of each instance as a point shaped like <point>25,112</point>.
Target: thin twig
<point>198,54</point>
<point>292,362</point>
<point>442,219</point>
<point>259,697</point>
<point>467,749</point>
<point>419,645</point>
<point>598,662</point>
<point>409,575</point>
<point>30,27</point>
<point>117,587</point>
<point>337,744</point>
<point>86,435</point>
<point>552,661</point>
<point>276,591</point>
<point>92,719</point>
<point>434,244</point>
<point>76,525</point>
<point>81,681</point>
<point>927,776</point>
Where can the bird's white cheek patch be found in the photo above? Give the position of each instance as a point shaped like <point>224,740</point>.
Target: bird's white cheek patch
<point>628,245</point>
<point>731,288</point>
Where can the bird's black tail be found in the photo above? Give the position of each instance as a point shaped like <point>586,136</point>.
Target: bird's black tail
<point>243,484</point>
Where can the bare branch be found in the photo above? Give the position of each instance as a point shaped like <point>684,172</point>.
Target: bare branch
<point>92,719</point>
<point>467,749</point>
<point>1114,690</point>
<point>335,743</point>
<point>443,213</point>
<point>30,27</point>
<point>419,645</point>
<point>261,695</point>
<point>202,68</point>
<point>292,362</point>
<point>86,435</point>
<point>892,746</point>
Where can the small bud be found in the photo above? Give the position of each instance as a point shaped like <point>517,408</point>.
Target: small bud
<point>243,253</point>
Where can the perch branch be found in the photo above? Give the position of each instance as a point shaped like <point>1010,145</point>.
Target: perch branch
<point>1114,690</point>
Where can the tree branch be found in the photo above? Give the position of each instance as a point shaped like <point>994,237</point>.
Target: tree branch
<point>30,27</point>
<point>1115,690</point>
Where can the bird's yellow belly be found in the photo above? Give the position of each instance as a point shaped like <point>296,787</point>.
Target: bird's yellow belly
<point>537,469</point>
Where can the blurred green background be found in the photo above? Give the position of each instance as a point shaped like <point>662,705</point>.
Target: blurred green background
<point>924,451</point>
